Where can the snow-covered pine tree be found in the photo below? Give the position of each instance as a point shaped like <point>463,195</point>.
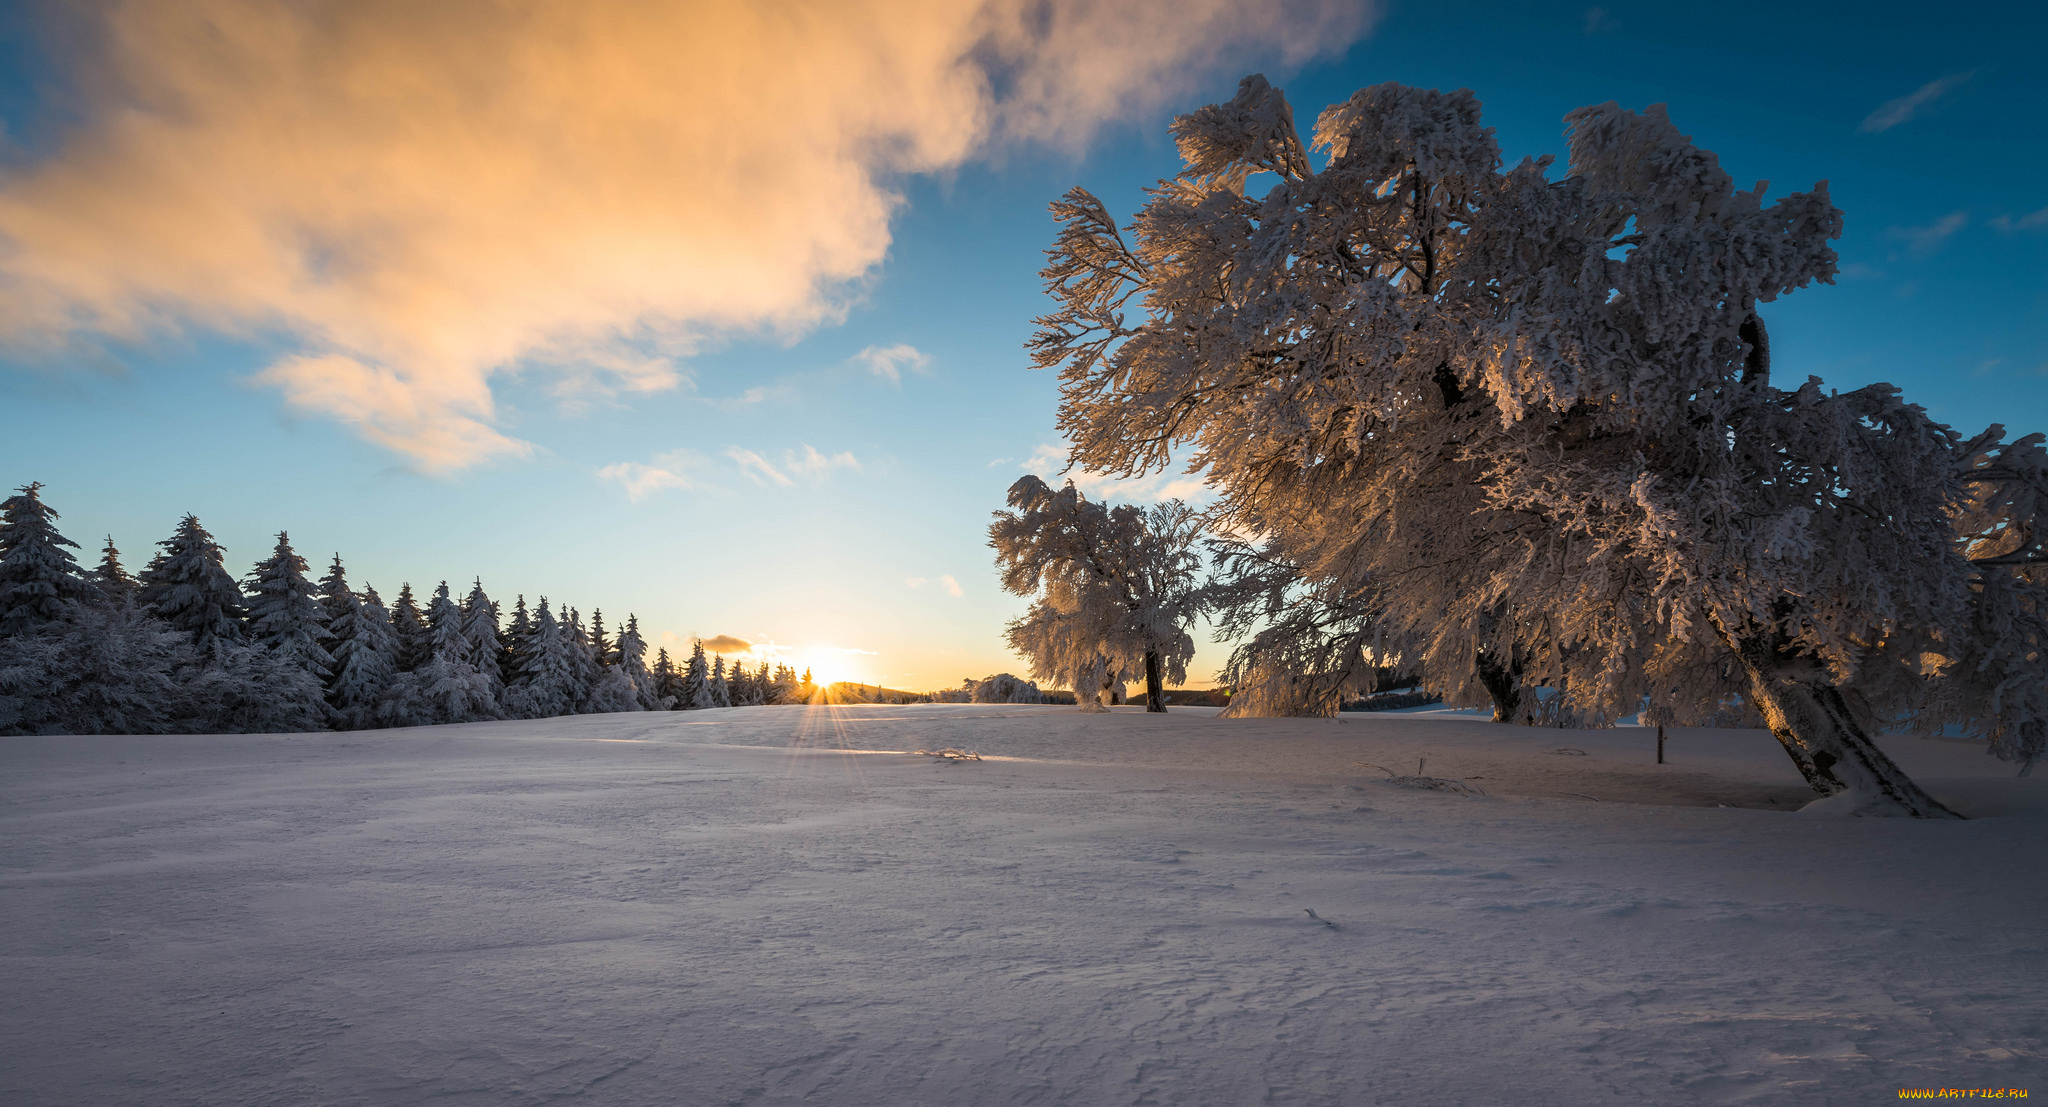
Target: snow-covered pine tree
<point>740,682</point>
<point>116,587</point>
<point>696,689</point>
<point>583,656</point>
<point>187,586</point>
<point>1121,586</point>
<point>600,642</point>
<point>364,649</point>
<point>480,632</point>
<point>410,629</point>
<point>1534,420</point>
<point>40,583</point>
<point>632,657</point>
<point>449,687</point>
<point>547,684</point>
<point>514,641</point>
<point>667,684</point>
<point>285,616</point>
<point>720,688</point>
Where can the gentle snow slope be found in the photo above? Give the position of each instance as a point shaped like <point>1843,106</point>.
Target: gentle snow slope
<point>722,907</point>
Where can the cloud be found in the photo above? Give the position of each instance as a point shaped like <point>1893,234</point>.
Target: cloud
<point>1599,20</point>
<point>951,586</point>
<point>2028,222</point>
<point>1932,237</point>
<point>1894,112</point>
<point>810,463</point>
<point>726,643</point>
<point>914,582</point>
<point>815,464</point>
<point>1047,460</point>
<point>413,200</point>
<point>641,480</point>
<point>889,362</point>
<point>758,467</point>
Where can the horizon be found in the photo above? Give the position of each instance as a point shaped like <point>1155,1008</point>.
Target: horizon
<point>609,384</point>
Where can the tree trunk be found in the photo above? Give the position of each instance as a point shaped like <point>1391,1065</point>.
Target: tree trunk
<point>1155,690</point>
<point>1501,686</point>
<point>1814,722</point>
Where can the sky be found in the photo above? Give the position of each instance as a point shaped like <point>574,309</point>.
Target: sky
<point>713,313</point>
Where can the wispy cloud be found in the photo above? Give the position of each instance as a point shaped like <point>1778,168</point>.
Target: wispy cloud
<point>670,470</point>
<point>416,199</point>
<point>951,586</point>
<point>889,362</point>
<point>2032,221</point>
<point>1599,21</point>
<point>758,467</point>
<point>1894,112</point>
<point>1932,237</point>
<point>810,464</point>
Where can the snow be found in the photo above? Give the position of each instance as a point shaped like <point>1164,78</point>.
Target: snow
<point>775,905</point>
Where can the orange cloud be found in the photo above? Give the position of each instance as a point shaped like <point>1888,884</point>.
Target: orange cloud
<point>420,197</point>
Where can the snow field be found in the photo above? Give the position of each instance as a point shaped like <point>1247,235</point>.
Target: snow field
<point>729,907</point>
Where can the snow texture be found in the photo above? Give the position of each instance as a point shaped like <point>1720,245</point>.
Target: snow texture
<point>770,906</point>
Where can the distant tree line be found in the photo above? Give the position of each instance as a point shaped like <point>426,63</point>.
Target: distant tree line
<point>183,647</point>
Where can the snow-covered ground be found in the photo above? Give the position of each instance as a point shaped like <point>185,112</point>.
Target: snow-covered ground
<point>772,905</point>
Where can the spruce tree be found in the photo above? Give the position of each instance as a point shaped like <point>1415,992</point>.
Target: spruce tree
<point>116,587</point>
<point>187,587</point>
<point>410,628</point>
<point>513,642</point>
<point>582,658</point>
<point>364,650</point>
<point>480,630</point>
<point>721,692</point>
<point>452,689</point>
<point>632,657</point>
<point>600,644</point>
<point>286,616</point>
<point>547,679</point>
<point>667,685</point>
<point>39,581</point>
<point>696,689</point>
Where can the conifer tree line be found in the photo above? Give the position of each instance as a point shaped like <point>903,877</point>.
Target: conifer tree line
<point>184,647</point>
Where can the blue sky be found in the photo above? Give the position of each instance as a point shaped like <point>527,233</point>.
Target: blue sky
<point>762,479</point>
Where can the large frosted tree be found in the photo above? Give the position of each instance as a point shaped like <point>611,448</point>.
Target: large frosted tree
<point>39,580</point>
<point>286,616</point>
<point>187,586</point>
<point>1116,587</point>
<point>1528,423</point>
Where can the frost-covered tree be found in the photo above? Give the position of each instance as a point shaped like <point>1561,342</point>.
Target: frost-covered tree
<point>631,657</point>
<point>39,581</point>
<point>547,682</point>
<point>449,686</point>
<point>409,627</point>
<point>110,577</point>
<point>187,586</point>
<point>1002,688</point>
<point>513,642</point>
<point>1530,423</point>
<point>696,685</point>
<point>720,688</point>
<point>286,616</point>
<point>667,684</point>
<point>1120,586</point>
<point>481,637</point>
<point>583,657</point>
<point>364,648</point>
<point>109,669</point>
